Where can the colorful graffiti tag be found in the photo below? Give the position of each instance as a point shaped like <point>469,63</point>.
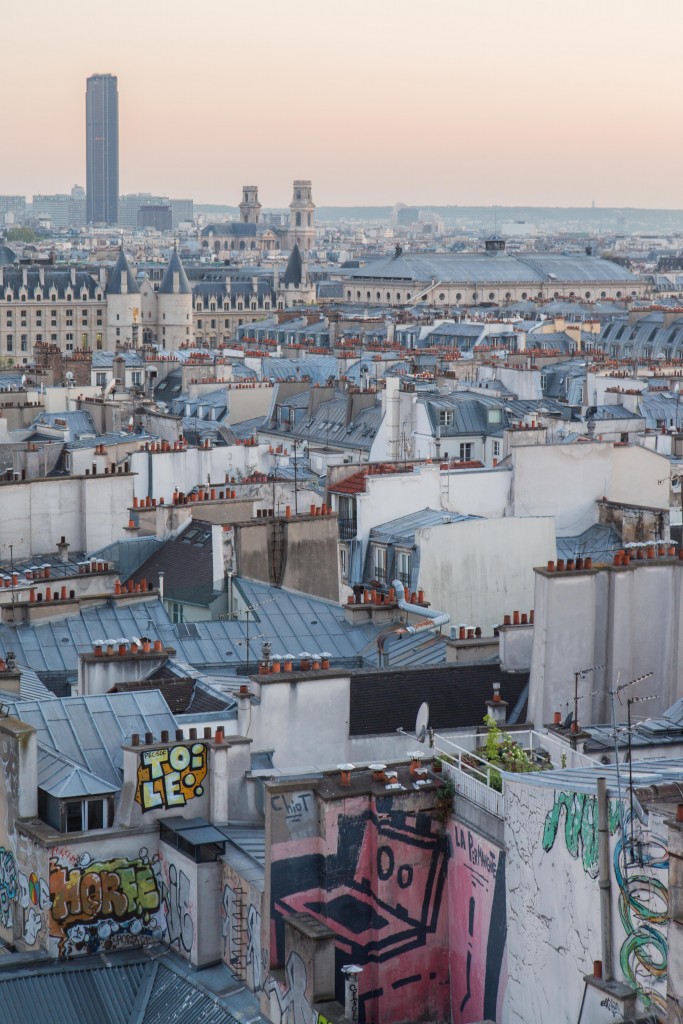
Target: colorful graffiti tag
<point>580,827</point>
<point>33,898</point>
<point>104,904</point>
<point>170,776</point>
<point>478,926</point>
<point>174,891</point>
<point>8,886</point>
<point>643,910</point>
<point>639,854</point>
<point>380,886</point>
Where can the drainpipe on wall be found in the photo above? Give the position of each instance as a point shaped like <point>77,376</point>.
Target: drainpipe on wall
<point>605,885</point>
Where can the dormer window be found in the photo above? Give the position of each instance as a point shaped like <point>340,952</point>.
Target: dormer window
<point>75,815</point>
<point>199,306</point>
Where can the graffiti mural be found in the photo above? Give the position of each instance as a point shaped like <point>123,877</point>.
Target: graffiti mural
<point>244,951</point>
<point>8,886</point>
<point>289,1003</point>
<point>174,889</point>
<point>170,776</point>
<point>378,881</point>
<point>104,904</point>
<point>643,911</point>
<point>478,928</point>
<point>33,898</point>
<point>580,827</point>
<point>640,861</point>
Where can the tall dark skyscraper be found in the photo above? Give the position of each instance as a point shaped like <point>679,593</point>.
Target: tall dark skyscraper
<point>102,149</point>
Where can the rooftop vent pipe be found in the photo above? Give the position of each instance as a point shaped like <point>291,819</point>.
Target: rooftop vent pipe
<point>431,619</point>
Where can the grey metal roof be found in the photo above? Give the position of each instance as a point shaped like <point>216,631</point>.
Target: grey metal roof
<point>53,647</point>
<point>89,731</point>
<point>475,268</point>
<point>7,256</point>
<point>402,530</point>
<point>30,687</point>
<point>147,986</point>
<point>62,779</point>
<point>661,407</point>
<point>74,423</point>
<point>317,368</point>
<point>102,360</point>
<point>57,283</point>
<point>294,270</point>
<point>598,542</point>
<point>167,286</point>
<point>121,270</point>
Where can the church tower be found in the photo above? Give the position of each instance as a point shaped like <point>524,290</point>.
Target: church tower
<point>250,208</point>
<point>302,217</point>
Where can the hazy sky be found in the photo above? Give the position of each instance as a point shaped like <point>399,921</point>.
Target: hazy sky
<point>377,101</point>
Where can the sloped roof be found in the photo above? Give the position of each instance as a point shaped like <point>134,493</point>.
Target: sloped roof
<point>402,530</point>
<point>30,686</point>
<point>168,283</point>
<point>482,267</point>
<point>89,731</point>
<point>63,779</point>
<point>187,564</point>
<point>7,256</point>
<point>149,986</point>
<point>294,271</point>
<point>121,270</point>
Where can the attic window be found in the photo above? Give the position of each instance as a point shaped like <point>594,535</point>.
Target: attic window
<point>445,417</point>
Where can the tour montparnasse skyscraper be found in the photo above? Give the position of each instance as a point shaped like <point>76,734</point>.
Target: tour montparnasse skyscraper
<point>102,149</point>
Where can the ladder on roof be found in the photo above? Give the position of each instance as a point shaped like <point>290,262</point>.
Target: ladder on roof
<point>238,942</point>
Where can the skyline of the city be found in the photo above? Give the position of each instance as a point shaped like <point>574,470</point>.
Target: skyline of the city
<point>434,108</point>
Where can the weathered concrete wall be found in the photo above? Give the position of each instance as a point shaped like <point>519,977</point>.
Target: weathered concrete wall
<point>553,903</point>
<point>90,512</point>
<point>481,570</point>
<point>567,480</point>
<point>605,617</point>
<point>298,553</point>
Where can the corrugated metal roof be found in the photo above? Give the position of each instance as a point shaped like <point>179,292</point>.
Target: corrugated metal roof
<point>147,986</point>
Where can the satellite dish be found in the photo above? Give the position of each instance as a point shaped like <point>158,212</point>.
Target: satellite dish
<point>422,722</point>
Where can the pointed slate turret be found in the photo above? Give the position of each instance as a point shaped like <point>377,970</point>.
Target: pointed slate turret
<point>122,280</point>
<point>175,280</point>
<point>294,273</point>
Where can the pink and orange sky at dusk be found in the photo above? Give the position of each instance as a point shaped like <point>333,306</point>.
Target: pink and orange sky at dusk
<point>464,102</point>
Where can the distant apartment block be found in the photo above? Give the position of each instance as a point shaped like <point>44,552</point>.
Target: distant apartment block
<point>12,209</point>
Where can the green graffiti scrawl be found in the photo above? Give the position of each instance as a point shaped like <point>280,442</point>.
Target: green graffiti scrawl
<point>580,827</point>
